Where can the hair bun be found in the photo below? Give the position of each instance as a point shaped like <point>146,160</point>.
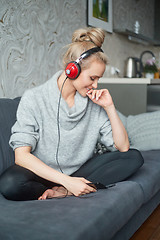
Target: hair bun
<point>95,35</point>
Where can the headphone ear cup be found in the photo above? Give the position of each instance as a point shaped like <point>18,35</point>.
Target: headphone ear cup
<point>72,70</point>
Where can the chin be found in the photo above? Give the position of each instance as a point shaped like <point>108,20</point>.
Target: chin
<point>83,94</point>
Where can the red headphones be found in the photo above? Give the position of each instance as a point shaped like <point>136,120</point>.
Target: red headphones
<point>73,68</point>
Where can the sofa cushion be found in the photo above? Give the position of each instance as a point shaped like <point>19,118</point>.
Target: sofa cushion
<point>144,131</point>
<point>8,109</point>
<point>91,217</point>
<point>148,176</point>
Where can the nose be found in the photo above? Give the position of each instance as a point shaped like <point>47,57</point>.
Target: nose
<point>95,83</point>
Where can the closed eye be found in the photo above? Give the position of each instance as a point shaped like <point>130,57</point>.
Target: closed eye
<point>94,78</point>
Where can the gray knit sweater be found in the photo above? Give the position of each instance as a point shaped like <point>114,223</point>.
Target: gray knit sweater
<point>80,127</point>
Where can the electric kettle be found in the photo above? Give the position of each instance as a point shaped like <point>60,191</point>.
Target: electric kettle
<point>133,68</point>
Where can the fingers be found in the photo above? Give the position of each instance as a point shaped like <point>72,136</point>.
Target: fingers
<point>85,191</point>
<point>98,94</point>
<point>95,94</point>
<point>87,188</point>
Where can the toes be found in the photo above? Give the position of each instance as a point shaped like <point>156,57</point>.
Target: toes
<point>47,194</point>
<point>58,193</point>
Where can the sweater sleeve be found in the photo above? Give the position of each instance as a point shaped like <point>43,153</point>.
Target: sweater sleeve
<point>25,130</point>
<point>106,137</point>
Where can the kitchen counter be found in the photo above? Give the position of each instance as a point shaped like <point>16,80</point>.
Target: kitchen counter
<point>133,95</point>
<point>129,80</point>
<point>130,94</point>
<point>155,81</point>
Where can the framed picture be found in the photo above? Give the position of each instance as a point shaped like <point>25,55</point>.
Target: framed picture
<point>100,14</point>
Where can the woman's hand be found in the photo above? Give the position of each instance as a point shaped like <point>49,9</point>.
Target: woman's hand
<point>73,186</point>
<point>101,97</point>
<point>78,186</point>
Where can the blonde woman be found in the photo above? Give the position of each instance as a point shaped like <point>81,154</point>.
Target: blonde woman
<point>58,125</point>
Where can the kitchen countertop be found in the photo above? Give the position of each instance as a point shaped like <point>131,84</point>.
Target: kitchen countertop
<point>129,80</point>
<point>155,81</point>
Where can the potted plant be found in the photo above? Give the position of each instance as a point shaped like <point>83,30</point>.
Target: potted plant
<point>150,68</point>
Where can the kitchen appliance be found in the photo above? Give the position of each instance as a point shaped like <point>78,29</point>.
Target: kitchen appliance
<point>133,68</point>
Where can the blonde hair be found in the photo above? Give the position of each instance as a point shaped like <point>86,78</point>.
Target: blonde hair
<point>83,40</point>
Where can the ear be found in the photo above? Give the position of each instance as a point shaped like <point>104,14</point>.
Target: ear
<point>72,70</point>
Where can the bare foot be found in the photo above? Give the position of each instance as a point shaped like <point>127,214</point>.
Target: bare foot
<point>55,192</point>
<point>62,190</point>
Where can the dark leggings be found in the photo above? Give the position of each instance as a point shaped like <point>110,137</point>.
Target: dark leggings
<point>18,183</point>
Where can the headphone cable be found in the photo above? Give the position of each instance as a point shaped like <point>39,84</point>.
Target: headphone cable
<point>58,124</point>
<point>59,137</point>
<point>58,128</point>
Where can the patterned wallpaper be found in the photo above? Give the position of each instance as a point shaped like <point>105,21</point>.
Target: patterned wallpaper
<point>34,32</point>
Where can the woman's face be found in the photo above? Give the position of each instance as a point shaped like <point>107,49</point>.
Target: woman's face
<point>89,77</point>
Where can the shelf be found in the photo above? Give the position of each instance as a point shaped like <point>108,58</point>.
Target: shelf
<point>138,38</point>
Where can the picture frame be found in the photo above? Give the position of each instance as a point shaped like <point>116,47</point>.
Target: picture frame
<point>100,14</point>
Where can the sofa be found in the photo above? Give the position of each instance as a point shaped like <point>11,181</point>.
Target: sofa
<point>114,213</point>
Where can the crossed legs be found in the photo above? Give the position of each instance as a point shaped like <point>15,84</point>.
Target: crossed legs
<point>20,184</point>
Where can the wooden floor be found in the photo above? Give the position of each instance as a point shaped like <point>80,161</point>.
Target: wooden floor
<point>150,230</point>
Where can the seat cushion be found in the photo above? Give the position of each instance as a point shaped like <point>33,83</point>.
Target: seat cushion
<point>91,217</point>
<point>148,176</point>
<point>8,109</point>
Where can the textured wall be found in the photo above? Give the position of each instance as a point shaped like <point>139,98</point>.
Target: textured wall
<point>134,10</point>
<point>117,46</point>
<point>32,33</point>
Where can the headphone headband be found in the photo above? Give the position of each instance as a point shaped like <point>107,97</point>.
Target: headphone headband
<point>88,53</point>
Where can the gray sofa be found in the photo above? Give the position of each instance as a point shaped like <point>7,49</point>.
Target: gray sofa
<point>115,213</point>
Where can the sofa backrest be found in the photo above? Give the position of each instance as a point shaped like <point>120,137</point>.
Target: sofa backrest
<point>8,108</point>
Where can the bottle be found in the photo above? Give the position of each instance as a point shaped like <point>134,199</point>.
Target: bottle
<point>136,27</point>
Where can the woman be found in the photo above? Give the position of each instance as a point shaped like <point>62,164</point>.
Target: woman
<point>54,138</point>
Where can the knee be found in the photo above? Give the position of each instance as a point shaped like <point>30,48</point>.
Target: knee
<point>8,183</point>
<point>136,156</point>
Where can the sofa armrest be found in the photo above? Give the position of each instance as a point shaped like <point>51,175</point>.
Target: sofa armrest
<point>8,108</point>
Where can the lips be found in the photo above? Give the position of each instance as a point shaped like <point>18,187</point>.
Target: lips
<point>88,89</point>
